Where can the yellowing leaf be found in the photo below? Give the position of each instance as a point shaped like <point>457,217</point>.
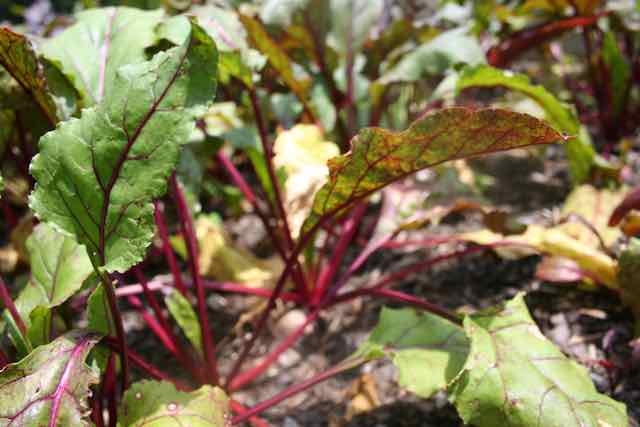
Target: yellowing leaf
<point>303,154</point>
<point>379,157</point>
<point>573,239</point>
<point>595,206</point>
<point>221,259</point>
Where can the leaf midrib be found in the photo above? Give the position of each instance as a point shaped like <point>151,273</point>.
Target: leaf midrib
<point>131,140</point>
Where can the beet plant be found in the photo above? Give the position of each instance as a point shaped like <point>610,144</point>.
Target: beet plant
<point>112,116</point>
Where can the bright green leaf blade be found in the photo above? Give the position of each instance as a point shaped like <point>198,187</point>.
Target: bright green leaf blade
<point>99,320</point>
<point>618,70</point>
<point>159,404</point>
<point>580,151</point>
<point>19,59</point>
<point>514,376</point>
<point>97,175</point>
<point>59,267</point>
<point>182,311</point>
<point>428,351</point>
<point>21,343</point>
<point>98,313</point>
<point>98,44</point>
<point>379,157</point>
<point>50,384</point>
<point>39,326</point>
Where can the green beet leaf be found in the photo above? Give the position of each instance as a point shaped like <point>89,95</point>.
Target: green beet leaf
<point>159,404</point>
<point>428,351</point>
<point>580,151</point>
<point>50,386</point>
<point>21,62</point>
<point>618,70</point>
<point>515,377</point>
<point>59,267</point>
<point>91,51</point>
<point>182,311</point>
<point>97,175</point>
<point>379,157</point>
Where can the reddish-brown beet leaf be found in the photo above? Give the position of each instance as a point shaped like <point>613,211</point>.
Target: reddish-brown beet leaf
<point>379,157</point>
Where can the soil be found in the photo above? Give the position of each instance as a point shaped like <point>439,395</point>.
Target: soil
<point>589,325</point>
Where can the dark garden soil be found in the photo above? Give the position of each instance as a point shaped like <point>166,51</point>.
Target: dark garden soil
<point>589,325</point>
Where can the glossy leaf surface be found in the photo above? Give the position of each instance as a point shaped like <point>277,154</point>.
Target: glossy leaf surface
<point>379,157</point>
<point>50,386</point>
<point>97,175</point>
<point>159,404</point>
<point>101,41</point>
<point>428,350</point>
<point>59,267</point>
<point>514,376</point>
<point>182,311</point>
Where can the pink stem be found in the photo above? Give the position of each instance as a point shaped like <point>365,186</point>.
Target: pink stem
<point>240,410</point>
<point>147,367</point>
<point>279,210</point>
<point>154,286</point>
<point>4,360</point>
<point>288,267</point>
<point>250,196</point>
<point>109,390</point>
<point>166,249</point>
<point>417,302</point>
<point>348,231</point>
<point>192,249</point>
<point>250,375</point>
<point>295,389</point>
<point>401,274</point>
<point>8,303</point>
<point>153,324</point>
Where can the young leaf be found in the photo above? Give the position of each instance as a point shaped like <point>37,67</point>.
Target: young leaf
<point>100,321</point>
<point>59,267</point>
<point>428,351</point>
<point>276,56</point>
<point>98,313</point>
<point>101,41</point>
<point>514,376</point>
<point>19,59</point>
<point>159,404</point>
<point>97,175</point>
<point>50,386</point>
<point>580,151</point>
<point>379,157</point>
<point>182,310</point>
<point>618,70</point>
